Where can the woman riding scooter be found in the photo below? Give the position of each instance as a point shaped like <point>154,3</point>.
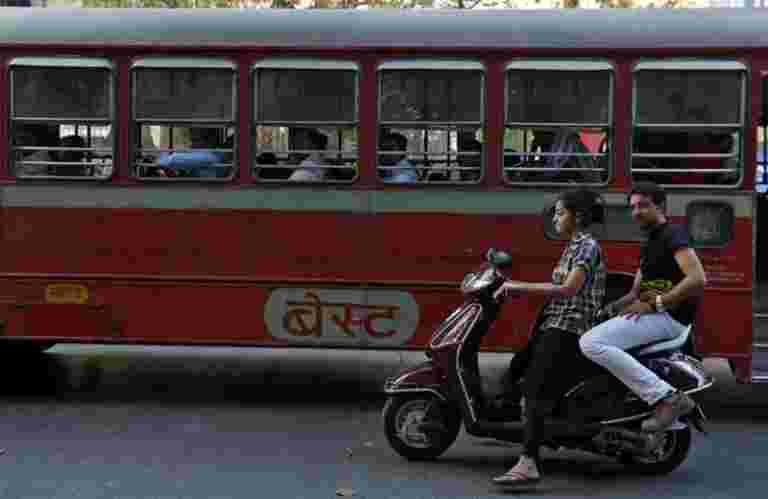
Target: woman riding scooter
<point>576,294</point>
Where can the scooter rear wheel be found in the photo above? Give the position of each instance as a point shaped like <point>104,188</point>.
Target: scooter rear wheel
<point>403,418</point>
<point>673,450</point>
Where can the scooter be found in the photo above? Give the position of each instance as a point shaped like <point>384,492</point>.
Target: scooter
<point>428,403</point>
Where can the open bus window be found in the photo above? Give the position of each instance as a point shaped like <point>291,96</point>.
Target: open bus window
<point>61,118</point>
<point>431,119</point>
<point>688,123</point>
<point>305,121</point>
<point>558,122</point>
<point>184,119</point>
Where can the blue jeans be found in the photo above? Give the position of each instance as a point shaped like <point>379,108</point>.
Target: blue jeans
<point>605,344</point>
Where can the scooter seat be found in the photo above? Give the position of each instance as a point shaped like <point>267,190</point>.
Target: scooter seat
<point>663,346</point>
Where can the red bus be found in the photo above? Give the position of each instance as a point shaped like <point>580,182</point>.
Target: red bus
<point>325,178</point>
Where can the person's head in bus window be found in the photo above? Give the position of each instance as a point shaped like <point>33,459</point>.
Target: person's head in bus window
<point>308,143</point>
<point>311,145</point>
<point>648,202</point>
<point>398,169</point>
<point>395,142</point>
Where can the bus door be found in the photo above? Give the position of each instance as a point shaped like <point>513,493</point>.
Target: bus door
<point>760,224</point>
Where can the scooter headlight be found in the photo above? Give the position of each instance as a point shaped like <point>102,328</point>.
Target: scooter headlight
<point>477,281</point>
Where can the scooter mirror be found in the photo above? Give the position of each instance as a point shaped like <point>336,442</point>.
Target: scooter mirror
<point>499,259</point>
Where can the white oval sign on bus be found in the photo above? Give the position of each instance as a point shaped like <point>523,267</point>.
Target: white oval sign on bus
<point>352,317</point>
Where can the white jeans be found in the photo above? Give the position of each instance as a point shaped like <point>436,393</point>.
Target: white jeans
<point>605,344</point>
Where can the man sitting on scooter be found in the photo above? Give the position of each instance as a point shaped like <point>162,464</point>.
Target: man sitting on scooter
<point>661,304</point>
<point>577,291</point>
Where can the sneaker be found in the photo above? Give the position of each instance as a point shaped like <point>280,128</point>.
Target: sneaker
<point>667,411</point>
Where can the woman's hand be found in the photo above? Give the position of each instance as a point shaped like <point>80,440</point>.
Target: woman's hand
<point>636,309</point>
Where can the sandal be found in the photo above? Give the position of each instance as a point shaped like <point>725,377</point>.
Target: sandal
<point>515,478</point>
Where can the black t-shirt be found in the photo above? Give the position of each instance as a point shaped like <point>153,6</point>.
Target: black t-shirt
<point>660,270</point>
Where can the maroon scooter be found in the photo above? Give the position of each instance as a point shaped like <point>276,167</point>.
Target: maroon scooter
<point>428,403</point>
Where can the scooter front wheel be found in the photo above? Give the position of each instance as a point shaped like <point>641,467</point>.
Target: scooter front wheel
<point>419,427</point>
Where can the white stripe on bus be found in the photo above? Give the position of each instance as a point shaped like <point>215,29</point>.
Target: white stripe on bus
<point>312,199</point>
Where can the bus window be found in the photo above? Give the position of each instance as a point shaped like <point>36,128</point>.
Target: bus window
<point>688,122</point>
<point>61,118</point>
<point>558,122</point>
<point>305,120</point>
<point>184,119</point>
<point>431,120</point>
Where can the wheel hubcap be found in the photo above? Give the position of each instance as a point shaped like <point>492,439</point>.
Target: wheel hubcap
<point>663,449</point>
<point>408,421</point>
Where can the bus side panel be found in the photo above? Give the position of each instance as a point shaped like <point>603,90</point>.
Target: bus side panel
<point>206,276</point>
<point>195,313</point>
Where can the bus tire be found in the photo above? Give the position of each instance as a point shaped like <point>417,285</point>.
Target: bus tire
<point>671,454</point>
<point>403,413</point>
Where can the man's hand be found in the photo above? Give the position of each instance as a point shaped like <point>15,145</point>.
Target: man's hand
<point>636,309</point>
<point>649,296</point>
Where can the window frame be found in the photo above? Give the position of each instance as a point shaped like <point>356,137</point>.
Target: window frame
<point>300,63</point>
<point>571,66</point>
<point>184,63</point>
<point>65,61</point>
<point>741,128</point>
<point>430,64</point>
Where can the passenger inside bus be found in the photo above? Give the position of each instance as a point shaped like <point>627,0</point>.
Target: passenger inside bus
<point>396,168</point>
<point>310,144</point>
<point>198,164</point>
<point>565,144</point>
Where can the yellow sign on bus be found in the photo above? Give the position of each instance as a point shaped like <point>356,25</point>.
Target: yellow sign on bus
<point>66,293</point>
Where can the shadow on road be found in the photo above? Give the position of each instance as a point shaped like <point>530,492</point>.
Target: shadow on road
<point>265,376</point>
<point>188,378</point>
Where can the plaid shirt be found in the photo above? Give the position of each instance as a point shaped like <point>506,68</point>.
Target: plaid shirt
<point>577,313</point>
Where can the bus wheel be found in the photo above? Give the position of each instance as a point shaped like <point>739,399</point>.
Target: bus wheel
<point>403,420</point>
<point>670,454</point>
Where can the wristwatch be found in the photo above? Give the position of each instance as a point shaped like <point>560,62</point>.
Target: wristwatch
<point>659,304</point>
